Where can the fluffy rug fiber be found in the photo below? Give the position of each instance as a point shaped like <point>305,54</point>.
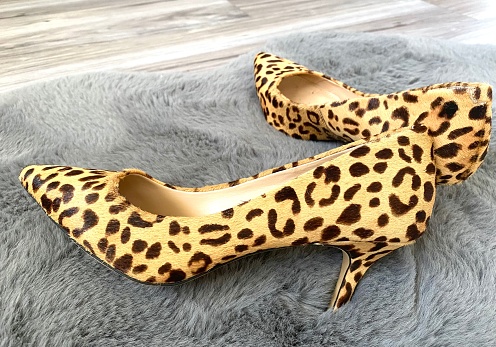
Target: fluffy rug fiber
<point>193,129</point>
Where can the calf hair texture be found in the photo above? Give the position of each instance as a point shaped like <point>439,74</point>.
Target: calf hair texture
<point>207,127</point>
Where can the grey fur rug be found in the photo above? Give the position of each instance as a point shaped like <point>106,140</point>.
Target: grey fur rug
<point>193,129</point>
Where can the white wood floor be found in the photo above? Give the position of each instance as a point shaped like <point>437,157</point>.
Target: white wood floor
<point>44,39</point>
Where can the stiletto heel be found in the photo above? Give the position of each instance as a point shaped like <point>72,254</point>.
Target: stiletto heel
<point>358,257</point>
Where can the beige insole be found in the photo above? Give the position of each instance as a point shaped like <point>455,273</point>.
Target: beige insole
<point>159,199</point>
<point>313,90</point>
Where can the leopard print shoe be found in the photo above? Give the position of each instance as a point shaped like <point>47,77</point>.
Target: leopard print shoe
<point>367,198</point>
<point>309,105</point>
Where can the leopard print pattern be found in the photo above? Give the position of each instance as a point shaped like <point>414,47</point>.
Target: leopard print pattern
<point>368,201</point>
<point>456,114</point>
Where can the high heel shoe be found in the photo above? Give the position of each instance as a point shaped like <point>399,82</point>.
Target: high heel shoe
<point>309,105</point>
<point>366,198</point>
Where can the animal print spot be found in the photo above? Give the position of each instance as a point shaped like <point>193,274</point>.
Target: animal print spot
<point>229,213</point>
<point>412,232</point>
<point>140,269</point>
<point>139,246</point>
<point>38,182</point>
<point>417,153</point>
<point>308,194</point>
<point>399,177</point>
<point>350,215</point>
<point>153,251</point>
<point>403,141</point>
<point>330,232</point>
<point>240,248</point>
<point>350,121</point>
<point>373,104</point>
<point>90,178</point>
<point>102,245</point>
<point>380,167</point>
<point>90,219</point>
<point>288,229</point>
<point>88,185</point>
<point>398,208</point>
<point>363,233</point>
<point>360,112</point>
<point>330,200</point>
<point>67,192</point>
<point>332,174</point>
<point>350,192</point>
<point>208,228</point>
<point>346,296</point>
<point>186,247</point>
<point>360,152</point>
<point>430,169</point>
<point>448,151</point>
<point>459,132</point>
<point>245,234</point>
<point>374,202</point>
<point>115,209</point>
<point>355,265</point>
<point>449,109</point>
<point>99,187</point>
<point>410,97</point>
<point>374,187</point>
<point>428,191</point>
<point>110,197</point>
<point>313,224</point>
<point>288,193</point>
<point>353,105</point>
<point>383,220</point>
<point>174,228</point>
<point>91,198</point>
<point>441,130</point>
<point>125,235</point>
<point>404,156</point>
<point>136,221</point>
<point>301,241</point>
<point>478,112</point>
<point>173,246</point>
<point>385,127</point>
<point>366,134</point>
<point>56,204</point>
<point>420,216</point>
<point>436,103</point>
<point>375,120</point>
<point>46,203</point>
<point>28,173</point>
<point>454,167</point>
<point>401,113</point>
<point>113,227</point>
<point>176,276</point>
<point>124,263</point>
<point>67,213</point>
<point>259,240</point>
<point>385,153</point>
<point>110,253</point>
<point>164,268</point>
<point>254,213</point>
<point>313,117</point>
<point>416,182</point>
<point>52,185</point>
<point>88,246</point>
<point>199,262</point>
<point>358,169</point>
<point>73,173</point>
<point>216,242</point>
